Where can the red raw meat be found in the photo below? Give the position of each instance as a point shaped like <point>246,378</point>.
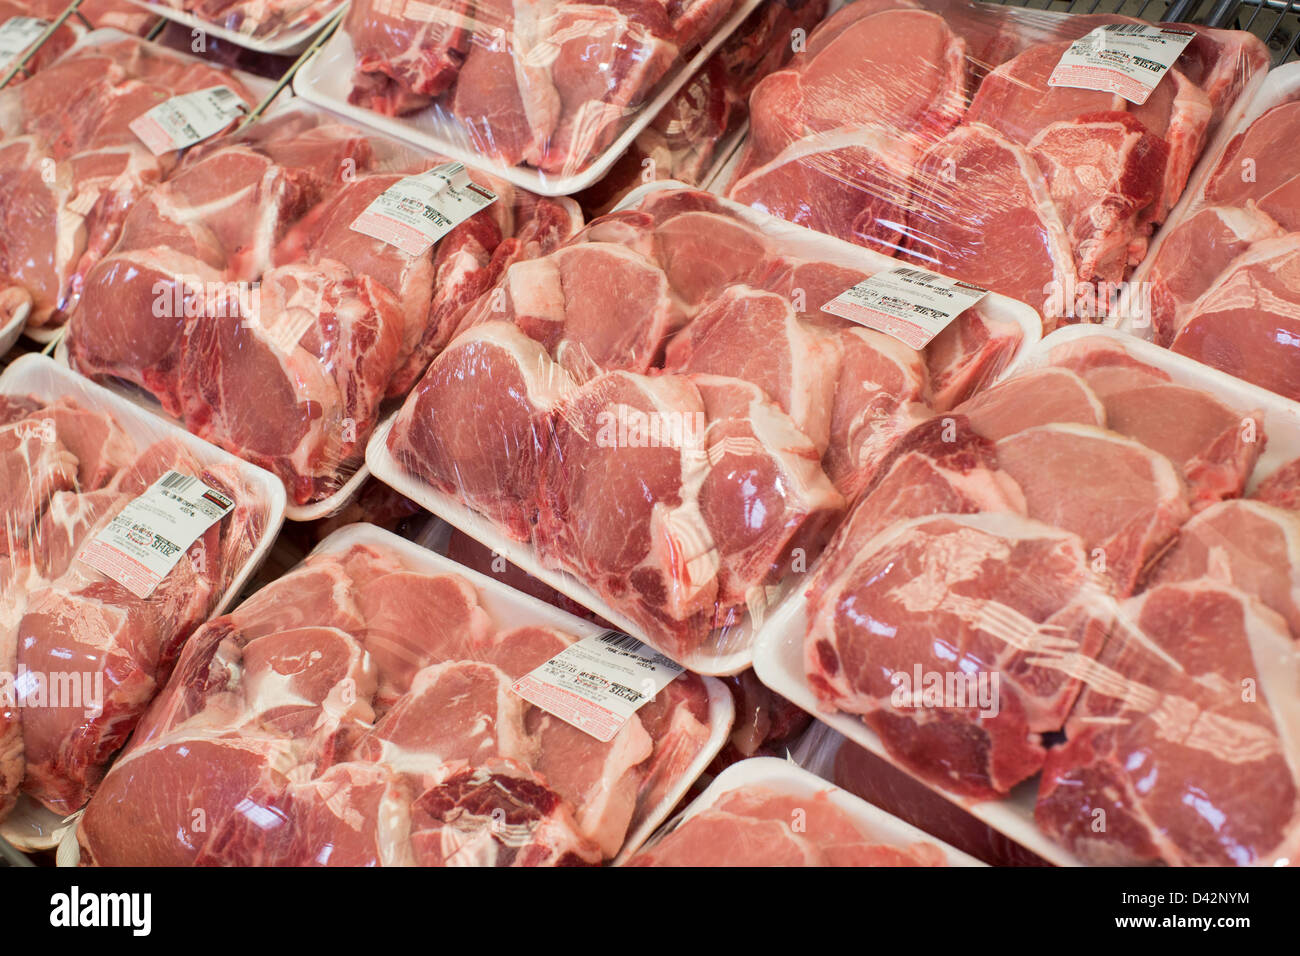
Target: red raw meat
<point>1166,751</point>
<point>445,429</point>
<point>1124,500</point>
<point>1249,545</point>
<point>989,593</point>
<point>1245,324</point>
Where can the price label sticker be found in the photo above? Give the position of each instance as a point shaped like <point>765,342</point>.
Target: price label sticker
<point>1127,59</point>
<point>415,212</point>
<point>912,305</point>
<point>597,684</point>
<point>148,537</point>
<point>188,119</point>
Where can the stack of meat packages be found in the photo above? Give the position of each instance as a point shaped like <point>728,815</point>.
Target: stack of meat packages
<point>549,84</point>
<point>1081,534</point>
<point>661,408</point>
<point>684,139</point>
<point>239,296</point>
<point>1225,276</point>
<point>926,129</point>
<point>71,170</point>
<point>120,15</point>
<point>358,712</point>
<point>67,469</point>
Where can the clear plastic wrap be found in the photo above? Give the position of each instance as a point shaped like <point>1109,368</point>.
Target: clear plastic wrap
<point>81,654</point>
<point>1070,579</point>
<point>659,420</point>
<point>266,26</point>
<point>547,95</point>
<point>359,711</point>
<point>69,175</point>
<point>1221,281</point>
<point>927,129</point>
<point>691,137</point>
<point>770,812</point>
<point>239,297</point>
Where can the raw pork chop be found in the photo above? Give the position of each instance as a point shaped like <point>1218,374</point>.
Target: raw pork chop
<point>942,466</point>
<point>1040,397</point>
<point>1181,748</point>
<point>900,68</point>
<point>990,594</point>
<point>1248,545</point>
<point>404,61</point>
<point>797,366</point>
<point>488,390</point>
<point>1194,255</point>
<point>765,498</point>
<point>1246,323</point>
<point>1121,498</point>
<point>619,500</point>
<point>995,223</point>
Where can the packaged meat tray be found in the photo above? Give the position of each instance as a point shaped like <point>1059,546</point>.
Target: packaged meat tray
<point>121,535</point>
<point>936,131</point>
<point>1221,282</point>
<point>35,16</point>
<point>68,177</point>
<point>544,95</point>
<point>1079,621</point>
<point>400,741</point>
<point>692,137</point>
<point>244,300</point>
<point>278,27</point>
<point>659,421</point>
<point>771,812</point>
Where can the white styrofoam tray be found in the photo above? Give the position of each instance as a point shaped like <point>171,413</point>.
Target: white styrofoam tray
<point>257,85</point>
<point>279,42</point>
<point>778,652</point>
<point>730,651</point>
<point>326,79</point>
<point>1276,87</point>
<point>786,777</point>
<point>30,826</point>
<point>507,608</point>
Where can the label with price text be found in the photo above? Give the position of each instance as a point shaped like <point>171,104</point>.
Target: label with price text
<point>597,684</point>
<point>187,119</point>
<point>1127,59</point>
<point>912,305</point>
<point>415,212</point>
<point>16,35</point>
<point>149,536</point>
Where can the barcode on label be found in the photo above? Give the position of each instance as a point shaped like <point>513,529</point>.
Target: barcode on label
<point>223,94</point>
<point>623,642</point>
<point>1125,27</point>
<point>175,481</point>
<point>918,274</point>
